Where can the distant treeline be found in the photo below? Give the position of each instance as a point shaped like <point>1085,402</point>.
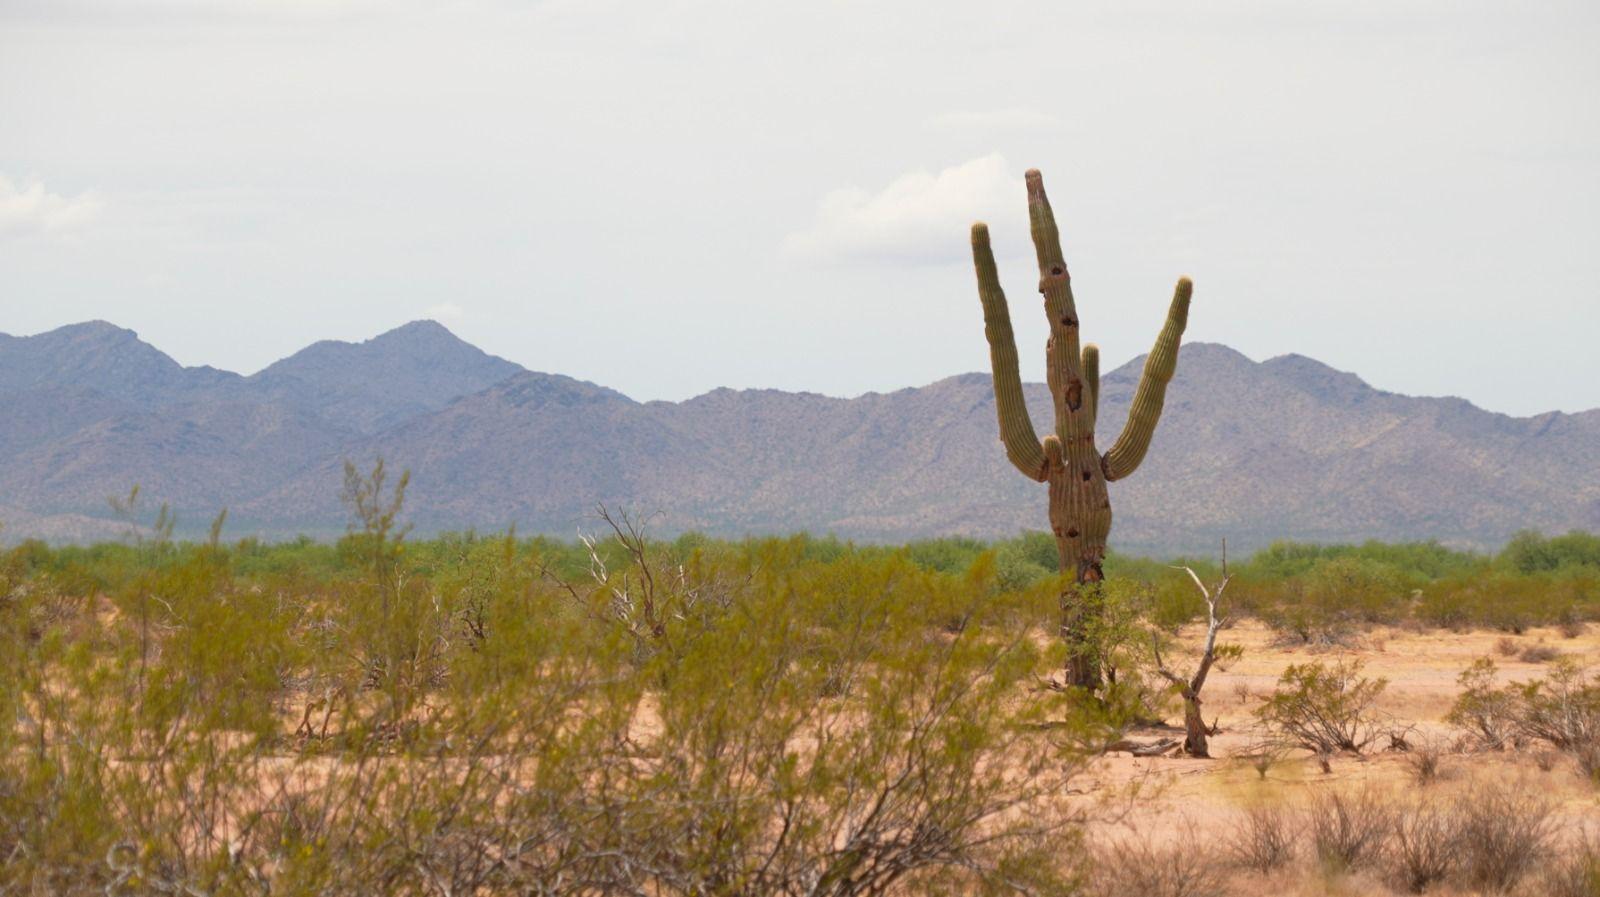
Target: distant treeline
<point>1311,591</point>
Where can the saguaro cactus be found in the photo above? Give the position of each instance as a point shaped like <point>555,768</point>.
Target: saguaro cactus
<point>1080,509</point>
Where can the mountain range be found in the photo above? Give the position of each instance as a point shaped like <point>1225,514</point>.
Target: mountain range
<point>1254,451</point>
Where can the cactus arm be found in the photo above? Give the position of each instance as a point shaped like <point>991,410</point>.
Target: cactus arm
<point>1124,456</point>
<point>1065,375</point>
<point>1016,428</point>
<point>1091,380</point>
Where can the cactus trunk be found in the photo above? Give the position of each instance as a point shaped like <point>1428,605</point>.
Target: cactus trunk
<point>1080,508</point>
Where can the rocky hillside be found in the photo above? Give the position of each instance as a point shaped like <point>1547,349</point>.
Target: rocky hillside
<point>1287,448</point>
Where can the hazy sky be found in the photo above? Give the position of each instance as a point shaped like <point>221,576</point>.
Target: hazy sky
<point>674,195</point>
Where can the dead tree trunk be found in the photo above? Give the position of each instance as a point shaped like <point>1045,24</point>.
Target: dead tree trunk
<point>1194,725</point>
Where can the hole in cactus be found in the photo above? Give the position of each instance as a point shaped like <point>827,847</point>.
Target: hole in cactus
<point>1069,321</point>
<point>1086,476</point>
<point>1072,534</point>
<point>1075,394</point>
<point>1056,271</point>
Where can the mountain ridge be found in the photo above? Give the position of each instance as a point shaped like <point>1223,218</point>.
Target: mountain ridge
<point>1288,447</point>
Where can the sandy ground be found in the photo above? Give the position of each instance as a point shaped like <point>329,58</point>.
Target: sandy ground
<point>1178,797</point>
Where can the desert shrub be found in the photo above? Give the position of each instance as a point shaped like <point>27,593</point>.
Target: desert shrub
<point>1411,560</point>
<point>1324,707</point>
<point>1531,552</point>
<point>1174,601</point>
<point>948,555</point>
<point>1425,846</point>
<point>1264,839</point>
<point>1488,713</point>
<point>1588,756</point>
<point>1349,830</point>
<point>1332,596</point>
<point>1563,708</point>
<point>1574,871</point>
<point>1506,646</point>
<point>1141,867</point>
<point>1506,600</point>
<point>1425,760</point>
<point>1538,653</point>
<point>1504,833</point>
<point>1015,569</point>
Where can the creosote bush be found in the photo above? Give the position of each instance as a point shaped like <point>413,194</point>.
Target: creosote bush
<point>1561,710</point>
<point>1324,707</point>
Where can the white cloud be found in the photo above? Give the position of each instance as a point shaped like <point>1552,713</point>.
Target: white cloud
<point>445,311</point>
<point>1016,118</point>
<point>918,218</point>
<point>28,208</point>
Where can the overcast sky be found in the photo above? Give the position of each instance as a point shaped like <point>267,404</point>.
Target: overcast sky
<point>674,195</point>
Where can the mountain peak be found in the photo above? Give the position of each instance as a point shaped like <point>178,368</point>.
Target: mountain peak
<point>425,329</point>
<point>416,367</point>
<point>105,358</point>
<point>1318,379</point>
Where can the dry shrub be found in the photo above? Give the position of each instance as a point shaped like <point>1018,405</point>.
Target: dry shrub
<point>1589,761</point>
<point>1546,760</point>
<point>1575,872</point>
<point>1264,839</point>
<point>1540,653</point>
<point>1506,646</point>
<point>1571,628</point>
<point>1137,867</point>
<point>1348,830</point>
<point>1425,759</point>
<point>1504,833</point>
<point>1426,845</point>
<point>1264,755</point>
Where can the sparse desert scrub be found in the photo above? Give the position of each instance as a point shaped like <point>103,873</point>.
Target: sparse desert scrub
<point>483,729</point>
<point>488,713</point>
